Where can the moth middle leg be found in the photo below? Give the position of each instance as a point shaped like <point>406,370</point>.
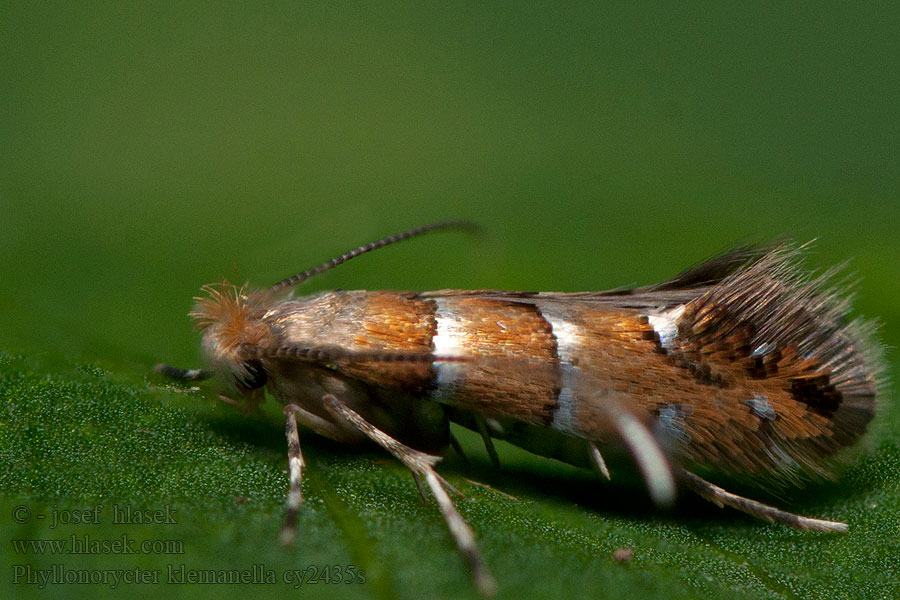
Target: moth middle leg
<point>422,466</point>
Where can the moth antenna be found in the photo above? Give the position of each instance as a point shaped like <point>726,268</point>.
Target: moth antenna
<point>180,374</point>
<point>399,237</point>
<point>332,354</point>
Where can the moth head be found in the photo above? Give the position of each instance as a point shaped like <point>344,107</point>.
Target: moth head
<point>233,334</point>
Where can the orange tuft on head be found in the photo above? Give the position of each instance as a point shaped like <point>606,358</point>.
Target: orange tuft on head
<point>229,316</point>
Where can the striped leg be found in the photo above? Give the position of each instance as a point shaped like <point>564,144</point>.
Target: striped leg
<point>721,498</point>
<point>294,414</point>
<point>295,469</point>
<point>422,465</point>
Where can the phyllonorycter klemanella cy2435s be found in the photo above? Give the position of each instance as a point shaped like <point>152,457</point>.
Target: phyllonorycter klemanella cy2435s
<point>744,364</point>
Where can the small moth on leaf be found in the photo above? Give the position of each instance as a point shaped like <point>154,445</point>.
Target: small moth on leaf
<point>743,365</point>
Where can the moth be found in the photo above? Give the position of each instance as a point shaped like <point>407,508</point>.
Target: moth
<point>744,364</point>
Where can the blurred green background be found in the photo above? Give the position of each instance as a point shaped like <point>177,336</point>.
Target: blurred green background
<point>151,148</point>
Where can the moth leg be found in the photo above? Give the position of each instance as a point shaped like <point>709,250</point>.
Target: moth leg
<point>486,438</point>
<point>418,481</point>
<point>229,401</point>
<point>423,466</point>
<point>597,461</point>
<point>444,483</point>
<point>457,447</point>
<point>722,498</point>
<point>295,469</point>
<point>647,453</point>
<point>322,426</point>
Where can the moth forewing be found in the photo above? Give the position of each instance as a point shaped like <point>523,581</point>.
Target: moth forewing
<point>740,365</point>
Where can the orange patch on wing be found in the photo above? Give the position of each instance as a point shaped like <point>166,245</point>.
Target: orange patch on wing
<point>395,322</point>
<point>515,370</point>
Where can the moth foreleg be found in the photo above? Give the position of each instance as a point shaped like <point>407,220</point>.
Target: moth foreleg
<point>722,498</point>
<point>323,427</point>
<point>423,466</point>
<point>295,470</point>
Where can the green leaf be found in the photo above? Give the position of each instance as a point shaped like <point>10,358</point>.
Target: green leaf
<point>79,437</point>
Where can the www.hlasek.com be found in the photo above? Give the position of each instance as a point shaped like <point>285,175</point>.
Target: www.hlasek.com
<point>87,544</point>
<point>181,574</point>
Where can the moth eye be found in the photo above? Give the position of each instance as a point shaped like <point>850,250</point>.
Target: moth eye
<point>255,376</point>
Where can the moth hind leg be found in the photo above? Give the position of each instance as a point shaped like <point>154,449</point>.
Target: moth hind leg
<point>597,461</point>
<point>722,498</point>
<point>422,465</point>
<point>652,460</point>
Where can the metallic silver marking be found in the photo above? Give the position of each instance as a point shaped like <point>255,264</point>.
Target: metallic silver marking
<point>565,417</point>
<point>670,427</point>
<point>447,342</point>
<point>665,324</point>
<point>784,460</point>
<point>494,426</point>
<point>760,407</point>
<point>763,349</point>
